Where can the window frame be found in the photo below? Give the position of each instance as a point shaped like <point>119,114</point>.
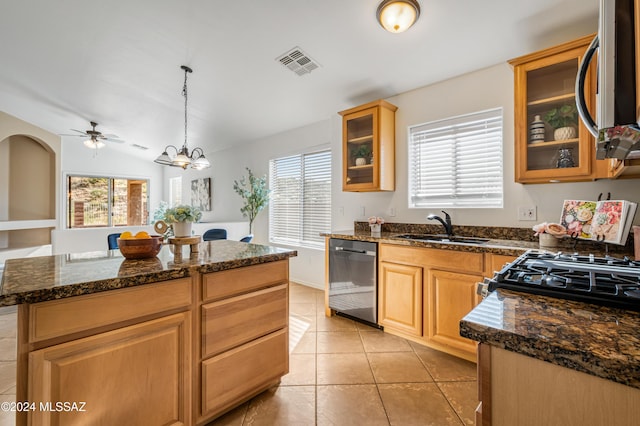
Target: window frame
<point>458,120</point>
<point>302,230</point>
<point>110,196</point>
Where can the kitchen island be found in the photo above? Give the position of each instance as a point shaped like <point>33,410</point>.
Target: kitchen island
<point>544,360</point>
<point>176,339</point>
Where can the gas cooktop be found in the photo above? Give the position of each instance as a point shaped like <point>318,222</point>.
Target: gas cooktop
<point>605,281</point>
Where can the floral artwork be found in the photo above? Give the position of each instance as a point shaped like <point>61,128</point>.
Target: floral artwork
<point>577,217</point>
<point>606,221</point>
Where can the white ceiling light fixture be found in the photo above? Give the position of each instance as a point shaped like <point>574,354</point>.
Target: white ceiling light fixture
<point>94,143</point>
<point>182,158</point>
<point>397,16</point>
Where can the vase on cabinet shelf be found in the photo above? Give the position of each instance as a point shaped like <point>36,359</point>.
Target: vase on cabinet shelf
<point>564,133</point>
<point>565,158</point>
<point>536,130</point>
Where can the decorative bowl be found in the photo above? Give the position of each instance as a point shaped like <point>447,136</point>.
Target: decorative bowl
<point>140,248</point>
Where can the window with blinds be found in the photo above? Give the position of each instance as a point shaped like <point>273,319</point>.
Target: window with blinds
<point>457,162</point>
<point>300,206</point>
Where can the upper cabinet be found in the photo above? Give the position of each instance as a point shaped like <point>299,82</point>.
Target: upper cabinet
<point>368,147</point>
<point>551,143</point>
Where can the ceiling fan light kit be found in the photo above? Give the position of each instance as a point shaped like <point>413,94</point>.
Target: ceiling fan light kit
<point>181,157</point>
<point>397,16</point>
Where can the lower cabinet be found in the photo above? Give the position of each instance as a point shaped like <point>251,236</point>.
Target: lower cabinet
<point>449,297</point>
<point>424,293</point>
<point>400,298</point>
<point>244,345</point>
<point>136,375</point>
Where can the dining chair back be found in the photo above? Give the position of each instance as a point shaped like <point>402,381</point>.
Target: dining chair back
<point>247,238</point>
<point>112,240</point>
<point>215,234</point>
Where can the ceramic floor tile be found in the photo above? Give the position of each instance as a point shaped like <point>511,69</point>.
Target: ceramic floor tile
<point>365,327</point>
<point>343,369</point>
<point>234,417</point>
<point>417,404</point>
<point>302,324</point>
<point>379,341</point>
<point>334,323</point>
<point>339,342</point>
<point>302,309</point>
<point>283,405</point>
<point>8,349</point>
<point>350,405</point>
<point>445,367</point>
<point>303,343</point>
<point>7,376</point>
<point>7,418</point>
<point>8,323</point>
<point>397,367</point>
<point>302,370</point>
<point>303,297</point>
<point>463,397</point>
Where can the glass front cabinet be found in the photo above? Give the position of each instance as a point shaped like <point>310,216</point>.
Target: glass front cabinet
<point>368,147</point>
<point>551,143</point>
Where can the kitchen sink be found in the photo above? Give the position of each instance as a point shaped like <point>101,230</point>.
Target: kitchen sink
<point>442,238</point>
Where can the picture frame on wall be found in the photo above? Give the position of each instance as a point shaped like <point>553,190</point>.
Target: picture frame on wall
<point>201,194</point>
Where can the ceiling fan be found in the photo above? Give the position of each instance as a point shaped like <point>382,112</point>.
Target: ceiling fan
<point>96,137</point>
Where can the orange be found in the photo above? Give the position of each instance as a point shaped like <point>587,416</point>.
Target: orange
<point>126,235</point>
<point>142,234</point>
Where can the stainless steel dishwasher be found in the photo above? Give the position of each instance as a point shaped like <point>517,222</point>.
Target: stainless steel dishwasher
<point>353,282</point>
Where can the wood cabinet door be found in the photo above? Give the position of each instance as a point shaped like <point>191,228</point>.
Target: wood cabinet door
<point>400,297</point>
<point>137,375</point>
<point>449,297</point>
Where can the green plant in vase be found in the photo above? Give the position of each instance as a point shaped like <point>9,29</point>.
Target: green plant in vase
<point>255,195</point>
<point>361,154</point>
<point>564,121</point>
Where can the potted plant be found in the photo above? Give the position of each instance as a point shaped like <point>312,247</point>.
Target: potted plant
<point>564,121</point>
<point>255,194</point>
<point>361,154</point>
<point>181,218</point>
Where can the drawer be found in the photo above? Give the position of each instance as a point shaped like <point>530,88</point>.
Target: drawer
<point>460,261</point>
<point>231,322</point>
<point>57,318</point>
<point>218,285</point>
<point>229,378</point>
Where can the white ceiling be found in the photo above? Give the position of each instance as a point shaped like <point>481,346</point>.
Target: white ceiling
<point>117,62</point>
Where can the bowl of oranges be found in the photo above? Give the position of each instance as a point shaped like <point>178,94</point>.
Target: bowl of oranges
<point>139,246</point>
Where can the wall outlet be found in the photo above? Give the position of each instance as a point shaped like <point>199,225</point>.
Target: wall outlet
<point>362,211</point>
<point>527,213</point>
<point>392,211</point>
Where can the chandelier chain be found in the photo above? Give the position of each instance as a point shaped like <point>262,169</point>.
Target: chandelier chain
<point>184,93</point>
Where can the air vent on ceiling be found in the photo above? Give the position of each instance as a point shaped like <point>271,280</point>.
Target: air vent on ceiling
<point>142,147</point>
<point>298,61</point>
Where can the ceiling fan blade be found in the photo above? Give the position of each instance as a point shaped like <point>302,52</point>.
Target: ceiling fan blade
<point>76,136</point>
<point>80,131</point>
<point>113,140</point>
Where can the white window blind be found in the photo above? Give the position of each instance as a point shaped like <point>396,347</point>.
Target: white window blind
<point>457,162</point>
<point>300,207</point>
<point>175,191</point>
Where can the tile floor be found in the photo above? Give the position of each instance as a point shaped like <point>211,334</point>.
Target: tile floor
<point>346,373</point>
<point>341,373</point>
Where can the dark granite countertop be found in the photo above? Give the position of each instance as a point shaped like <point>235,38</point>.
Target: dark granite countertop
<point>496,246</point>
<point>600,341</point>
<point>38,279</point>
<point>503,241</point>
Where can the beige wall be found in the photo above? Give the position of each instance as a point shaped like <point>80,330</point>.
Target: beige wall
<point>29,176</point>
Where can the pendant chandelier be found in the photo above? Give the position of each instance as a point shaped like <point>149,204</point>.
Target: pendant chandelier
<point>181,157</point>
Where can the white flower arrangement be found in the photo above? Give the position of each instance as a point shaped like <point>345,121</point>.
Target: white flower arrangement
<point>554,229</point>
<point>376,220</point>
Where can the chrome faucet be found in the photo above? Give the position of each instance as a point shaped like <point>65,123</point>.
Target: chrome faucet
<point>448,229</point>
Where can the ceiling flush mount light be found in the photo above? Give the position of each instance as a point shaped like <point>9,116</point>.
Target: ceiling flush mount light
<point>181,157</point>
<point>397,16</point>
